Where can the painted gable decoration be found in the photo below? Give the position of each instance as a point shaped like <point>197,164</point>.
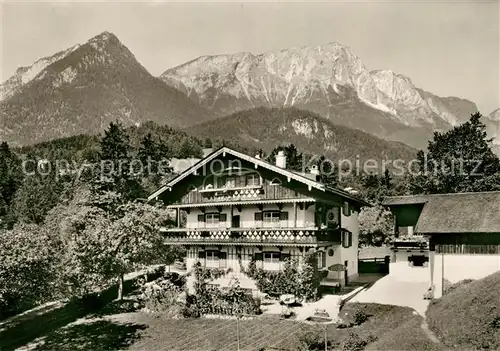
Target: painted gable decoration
<point>276,181</point>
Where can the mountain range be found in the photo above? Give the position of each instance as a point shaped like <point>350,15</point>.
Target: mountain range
<point>264,128</point>
<point>327,79</point>
<point>83,88</point>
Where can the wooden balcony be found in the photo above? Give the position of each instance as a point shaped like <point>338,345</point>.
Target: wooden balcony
<point>261,192</point>
<point>250,225</point>
<point>257,236</point>
<point>411,242</point>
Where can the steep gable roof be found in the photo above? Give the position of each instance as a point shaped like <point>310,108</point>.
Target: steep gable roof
<point>454,213</point>
<point>260,163</point>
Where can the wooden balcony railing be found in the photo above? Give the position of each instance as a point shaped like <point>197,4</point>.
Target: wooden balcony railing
<point>408,242</point>
<point>251,236</point>
<point>282,224</point>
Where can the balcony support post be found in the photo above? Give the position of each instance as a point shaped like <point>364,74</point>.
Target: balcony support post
<point>231,216</point>
<point>295,214</point>
<point>178,217</point>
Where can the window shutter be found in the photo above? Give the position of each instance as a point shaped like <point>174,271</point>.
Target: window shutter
<point>222,259</point>
<point>284,256</point>
<point>221,182</point>
<point>258,216</point>
<point>258,256</point>
<point>345,239</point>
<point>201,255</point>
<point>345,209</point>
<point>222,255</point>
<point>222,217</point>
<point>201,218</point>
<point>284,216</point>
<point>323,259</point>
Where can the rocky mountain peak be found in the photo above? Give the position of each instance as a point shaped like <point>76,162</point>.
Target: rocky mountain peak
<point>104,48</point>
<point>83,88</point>
<point>495,115</point>
<point>329,79</point>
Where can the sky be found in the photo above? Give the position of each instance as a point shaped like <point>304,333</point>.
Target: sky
<point>450,48</point>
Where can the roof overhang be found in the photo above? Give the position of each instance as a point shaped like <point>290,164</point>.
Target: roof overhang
<point>258,163</point>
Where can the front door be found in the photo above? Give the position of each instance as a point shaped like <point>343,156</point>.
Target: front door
<point>235,222</point>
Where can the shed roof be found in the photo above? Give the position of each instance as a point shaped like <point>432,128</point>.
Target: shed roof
<point>454,213</point>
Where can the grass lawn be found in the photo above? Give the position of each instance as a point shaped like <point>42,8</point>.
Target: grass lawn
<point>396,328</point>
<point>214,334</point>
<point>408,336</point>
<point>119,327</point>
<point>468,318</point>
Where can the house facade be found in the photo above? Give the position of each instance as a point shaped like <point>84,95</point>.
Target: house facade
<point>445,237</point>
<point>232,208</point>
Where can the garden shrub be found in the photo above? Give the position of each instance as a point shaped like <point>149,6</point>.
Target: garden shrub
<point>203,275</point>
<point>313,341</point>
<point>212,300</point>
<point>302,282</point>
<point>353,342</point>
<point>233,301</point>
<point>163,295</point>
<point>359,316</point>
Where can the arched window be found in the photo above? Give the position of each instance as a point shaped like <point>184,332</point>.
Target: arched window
<point>275,181</point>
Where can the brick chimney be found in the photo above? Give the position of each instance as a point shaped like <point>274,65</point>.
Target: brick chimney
<point>314,170</point>
<point>281,159</point>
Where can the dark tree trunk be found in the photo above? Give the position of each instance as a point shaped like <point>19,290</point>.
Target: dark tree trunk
<point>120,288</point>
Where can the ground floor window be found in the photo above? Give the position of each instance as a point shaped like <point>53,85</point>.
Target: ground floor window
<point>418,260</point>
<point>213,258</point>
<point>212,255</point>
<point>271,257</point>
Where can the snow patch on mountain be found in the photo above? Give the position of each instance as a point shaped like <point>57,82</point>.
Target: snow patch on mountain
<point>66,76</point>
<point>304,128</point>
<point>310,77</point>
<point>24,75</point>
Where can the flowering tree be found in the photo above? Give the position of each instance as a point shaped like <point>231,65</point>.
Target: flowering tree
<point>376,226</point>
<point>104,238</point>
<point>26,268</point>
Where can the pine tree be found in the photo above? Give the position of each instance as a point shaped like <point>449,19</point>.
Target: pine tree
<point>460,160</point>
<point>40,191</point>
<point>115,168</point>
<point>155,157</point>
<point>294,158</point>
<point>208,143</point>
<point>10,180</point>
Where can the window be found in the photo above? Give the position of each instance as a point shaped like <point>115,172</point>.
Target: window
<point>346,210</point>
<point>212,218</point>
<point>418,260</point>
<point>222,259</point>
<point>212,255</point>
<point>271,257</point>
<point>271,216</point>
<point>321,257</point>
<point>346,239</point>
<point>231,182</point>
<point>276,181</point>
<point>253,180</point>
